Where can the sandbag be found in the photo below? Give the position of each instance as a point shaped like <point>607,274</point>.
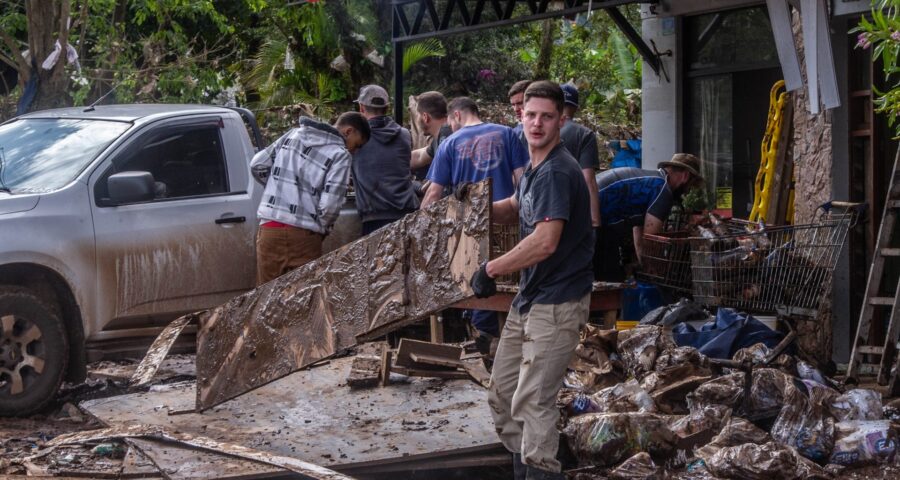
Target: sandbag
<point>767,389</point>
<point>804,422</point>
<point>768,461</point>
<point>639,348</point>
<point>702,418</point>
<point>726,390</point>
<point>858,404</point>
<point>638,467</point>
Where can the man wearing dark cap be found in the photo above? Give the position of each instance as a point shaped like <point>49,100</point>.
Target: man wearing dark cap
<point>581,142</point>
<point>384,190</point>
<point>640,201</point>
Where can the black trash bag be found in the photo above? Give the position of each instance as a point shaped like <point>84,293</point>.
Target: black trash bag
<point>684,310</point>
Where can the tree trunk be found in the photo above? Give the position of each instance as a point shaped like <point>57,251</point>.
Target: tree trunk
<point>542,68</point>
<point>47,23</point>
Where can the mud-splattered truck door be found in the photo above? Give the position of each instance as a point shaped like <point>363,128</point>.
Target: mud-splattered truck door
<point>190,246</point>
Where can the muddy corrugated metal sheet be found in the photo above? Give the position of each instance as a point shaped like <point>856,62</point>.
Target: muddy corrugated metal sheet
<point>403,272</point>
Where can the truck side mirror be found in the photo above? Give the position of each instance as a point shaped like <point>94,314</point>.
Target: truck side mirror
<point>130,187</point>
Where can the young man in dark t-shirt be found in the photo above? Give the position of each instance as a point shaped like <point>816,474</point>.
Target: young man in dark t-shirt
<point>541,332</point>
<point>581,142</point>
<point>431,115</point>
<point>640,201</point>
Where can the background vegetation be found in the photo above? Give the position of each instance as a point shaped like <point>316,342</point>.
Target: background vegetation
<point>281,57</point>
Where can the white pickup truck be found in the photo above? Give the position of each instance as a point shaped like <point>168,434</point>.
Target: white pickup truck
<point>115,220</point>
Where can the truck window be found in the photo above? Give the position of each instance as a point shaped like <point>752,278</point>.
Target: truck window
<point>185,162</point>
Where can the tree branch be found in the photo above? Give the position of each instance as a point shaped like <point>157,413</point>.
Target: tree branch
<point>19,62</point>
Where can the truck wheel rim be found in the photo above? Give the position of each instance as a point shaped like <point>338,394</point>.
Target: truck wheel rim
<point>21,354</point>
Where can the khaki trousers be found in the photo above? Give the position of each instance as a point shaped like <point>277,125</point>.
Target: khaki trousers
<point>282,249</point>
<point>534,351</point>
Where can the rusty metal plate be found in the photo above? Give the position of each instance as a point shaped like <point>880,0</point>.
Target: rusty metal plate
<point>398,275</point>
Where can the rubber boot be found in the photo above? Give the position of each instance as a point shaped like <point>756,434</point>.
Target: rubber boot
<point>519,468</point>
<point>538,474</point>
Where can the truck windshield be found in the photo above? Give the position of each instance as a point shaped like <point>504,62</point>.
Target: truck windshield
<point>41,155</point>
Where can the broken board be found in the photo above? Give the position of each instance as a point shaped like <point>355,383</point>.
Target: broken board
<point>180,463</point>
<point>447,355</point>
<point>403,272</point>
<point>313,416</point>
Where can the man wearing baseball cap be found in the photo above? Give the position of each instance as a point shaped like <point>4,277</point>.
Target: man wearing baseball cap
<point>384,190</point>
<point>581,142</point>
<point>639,200</point>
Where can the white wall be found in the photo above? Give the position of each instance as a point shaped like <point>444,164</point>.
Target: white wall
<point>661,99</point>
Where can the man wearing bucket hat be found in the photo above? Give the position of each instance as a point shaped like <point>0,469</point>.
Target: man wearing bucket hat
<point>639,200</point>
<point>384,190</point>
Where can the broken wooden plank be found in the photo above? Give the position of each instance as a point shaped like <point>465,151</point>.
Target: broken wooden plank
<point>424,358</point>
<point>386,366</point>
<point>160,348</point>
<point>365,370</point>
<point>401,273</point>
<point>179,463</point>
<point>418,372</point>
<point>156,432</point>
<point>477,371</point>
<point>409,346</point>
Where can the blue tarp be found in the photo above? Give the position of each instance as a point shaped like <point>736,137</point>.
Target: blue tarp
<point>626,157</point>
<point>730,332</point>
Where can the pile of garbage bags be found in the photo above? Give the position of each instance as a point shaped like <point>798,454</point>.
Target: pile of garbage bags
<point>636,404</point>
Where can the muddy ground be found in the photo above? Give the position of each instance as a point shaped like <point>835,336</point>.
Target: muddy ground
<point>22,439</point>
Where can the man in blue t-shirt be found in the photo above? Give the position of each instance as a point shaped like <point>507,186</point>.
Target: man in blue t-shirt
<point>476,151</point>
<point>637,200</point>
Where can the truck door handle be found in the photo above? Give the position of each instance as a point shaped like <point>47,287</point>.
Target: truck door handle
<point>220,221</point>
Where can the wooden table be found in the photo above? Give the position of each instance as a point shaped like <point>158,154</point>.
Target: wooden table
<point>606,296</point>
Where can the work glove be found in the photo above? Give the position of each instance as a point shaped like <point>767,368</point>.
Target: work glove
<point>462,191</point>
<point>483,285</point>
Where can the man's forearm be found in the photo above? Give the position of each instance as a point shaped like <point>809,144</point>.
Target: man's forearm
<point>530,251</point>
<point>419,159</point>
<point>638,240</point>
<point>432,195</point>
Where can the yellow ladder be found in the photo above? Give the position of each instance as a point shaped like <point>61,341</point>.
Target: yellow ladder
<point>769,154</point>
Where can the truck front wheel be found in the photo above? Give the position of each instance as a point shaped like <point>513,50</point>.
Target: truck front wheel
<point>34,351</point>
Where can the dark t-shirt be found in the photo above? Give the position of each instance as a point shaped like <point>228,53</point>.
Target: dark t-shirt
<point>431,150</point>
<point>628,194</point>
<point>581,142</point>
<point>555,190</point>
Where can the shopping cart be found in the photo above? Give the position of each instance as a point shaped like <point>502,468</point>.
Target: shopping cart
<point>666,262</point>
<point>784,269</point>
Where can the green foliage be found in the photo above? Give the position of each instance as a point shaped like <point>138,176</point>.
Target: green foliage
<point>417,52</point>
<point>882,32</point>
<point>695,200</point>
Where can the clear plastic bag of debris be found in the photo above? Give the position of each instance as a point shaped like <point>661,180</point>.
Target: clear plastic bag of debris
<point>596,365</point>
<point>768,461</point>
<point>805,422</point>
<point>638,467</point>
<point>702,418</point>
<point>639,348</point>
<point>864,442</point>
<point>767,389</point>
<point>624,397</point>
<point>605,439</point>
<point>726,390</point>
<point>858,404</point>
<point>736,432</point>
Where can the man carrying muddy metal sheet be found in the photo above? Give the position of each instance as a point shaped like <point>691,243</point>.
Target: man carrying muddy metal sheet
<point>640,201</point>
<point>476,151</point>
<point>431,115</point>
<point>384,189</point>
<point>552,207</point>
<point>306,173</point>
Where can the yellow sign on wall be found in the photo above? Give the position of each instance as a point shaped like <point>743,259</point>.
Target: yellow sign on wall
<point>723,198</point>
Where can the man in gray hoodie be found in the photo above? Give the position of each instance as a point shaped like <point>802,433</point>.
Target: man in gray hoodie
<point>306,173</point>
<point>384,189</point>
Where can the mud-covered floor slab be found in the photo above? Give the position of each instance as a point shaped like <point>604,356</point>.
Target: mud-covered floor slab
<point>313,416</point>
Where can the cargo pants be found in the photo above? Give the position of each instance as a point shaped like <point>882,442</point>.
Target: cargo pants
<point>534,351</point>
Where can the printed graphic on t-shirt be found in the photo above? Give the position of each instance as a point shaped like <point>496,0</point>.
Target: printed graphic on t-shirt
<point>484,151</point>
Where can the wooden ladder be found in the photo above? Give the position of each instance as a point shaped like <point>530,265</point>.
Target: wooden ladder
<point>872,299</point>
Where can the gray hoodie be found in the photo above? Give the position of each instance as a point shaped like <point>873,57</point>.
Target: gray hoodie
<point>381,176</point>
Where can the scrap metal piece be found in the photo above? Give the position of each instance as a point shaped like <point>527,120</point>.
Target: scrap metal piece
<point>377,284</point>
<point>145,431</point>
<point>160,348</point>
